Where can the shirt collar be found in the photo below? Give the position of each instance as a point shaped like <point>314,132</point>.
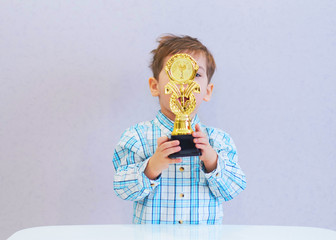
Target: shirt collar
<point>169,124</point>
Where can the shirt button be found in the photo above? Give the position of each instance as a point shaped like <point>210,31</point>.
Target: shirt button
<point>181,169</point>
<point>217,174</point>
<point>180,222</point>
<point>181,195</point>
<point>152,184</point>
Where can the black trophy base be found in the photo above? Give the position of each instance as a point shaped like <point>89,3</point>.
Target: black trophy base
<point>187,145</point>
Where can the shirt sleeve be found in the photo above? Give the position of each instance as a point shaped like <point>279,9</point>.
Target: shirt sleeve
<point>227,180</point>
<point>130,161</point>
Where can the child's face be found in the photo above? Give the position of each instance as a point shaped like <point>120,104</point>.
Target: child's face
<point>157,86</point>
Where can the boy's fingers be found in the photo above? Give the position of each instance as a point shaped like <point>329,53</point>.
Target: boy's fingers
<point>170,144</point>
<point>201,140</point>
<point>198,134</point>
<point>200,146</point>
<point>161,140</point>
<point>176,160</point>
<point>171,150</point>
<point>197,128</point>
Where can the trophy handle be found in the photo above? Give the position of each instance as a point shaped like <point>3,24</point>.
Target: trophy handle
<point>175,106</point>
<point>193,87</point>
<point>171,88</point>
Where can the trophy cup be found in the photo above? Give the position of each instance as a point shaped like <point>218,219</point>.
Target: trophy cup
<point>181,69</point>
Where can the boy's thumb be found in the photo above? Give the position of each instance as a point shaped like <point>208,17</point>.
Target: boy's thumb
<point>197,128</point>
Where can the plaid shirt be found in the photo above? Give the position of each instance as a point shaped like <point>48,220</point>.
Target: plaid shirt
<point>183,193</point>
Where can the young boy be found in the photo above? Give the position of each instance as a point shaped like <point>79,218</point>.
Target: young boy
<point>188,190</point>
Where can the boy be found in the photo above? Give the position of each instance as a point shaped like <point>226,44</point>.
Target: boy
<point>188,190</point>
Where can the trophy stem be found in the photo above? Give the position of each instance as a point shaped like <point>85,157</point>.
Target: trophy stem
<point>182,125</point>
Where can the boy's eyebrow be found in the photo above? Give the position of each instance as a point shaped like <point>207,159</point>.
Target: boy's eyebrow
<point>200,67</point>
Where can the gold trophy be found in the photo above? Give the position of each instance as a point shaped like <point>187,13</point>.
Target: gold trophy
<point>181,69</point>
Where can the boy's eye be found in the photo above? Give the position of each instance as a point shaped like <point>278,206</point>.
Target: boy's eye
<point>198,75</point>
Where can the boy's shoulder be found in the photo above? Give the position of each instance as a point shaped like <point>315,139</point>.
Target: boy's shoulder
<point>140,127</point>
<point>216,134</point>
<point>213,130</point>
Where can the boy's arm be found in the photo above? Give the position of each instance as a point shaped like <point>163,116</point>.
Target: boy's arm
<point>130,160</point>
<point>227,179</point>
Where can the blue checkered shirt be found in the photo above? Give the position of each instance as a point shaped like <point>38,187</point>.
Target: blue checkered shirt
<point>183,193</point>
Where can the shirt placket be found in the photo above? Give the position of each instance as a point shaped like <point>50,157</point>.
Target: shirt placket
<point>179,193</point>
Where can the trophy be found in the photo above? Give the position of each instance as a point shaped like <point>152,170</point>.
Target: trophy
<point>181,69</point>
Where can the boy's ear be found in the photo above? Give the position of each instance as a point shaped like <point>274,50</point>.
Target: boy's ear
<point>208,94</point>
<point>154,86</point>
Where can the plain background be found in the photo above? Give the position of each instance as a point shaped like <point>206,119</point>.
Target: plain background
<point>74,75</point>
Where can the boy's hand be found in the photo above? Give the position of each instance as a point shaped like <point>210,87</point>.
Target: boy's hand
<point>209,155</point>
<point>160,160</point>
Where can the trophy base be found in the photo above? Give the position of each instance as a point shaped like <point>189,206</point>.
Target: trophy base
<point>187,145</point>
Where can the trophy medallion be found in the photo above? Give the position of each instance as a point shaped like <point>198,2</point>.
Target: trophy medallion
<point>181,69</point>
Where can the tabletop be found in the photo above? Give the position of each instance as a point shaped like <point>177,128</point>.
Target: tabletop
<point>171,232</point>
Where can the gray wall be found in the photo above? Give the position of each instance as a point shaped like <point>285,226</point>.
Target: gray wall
<point>74,76</point>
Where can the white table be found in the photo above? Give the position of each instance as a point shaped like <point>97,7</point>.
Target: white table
<point>172,232</point>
